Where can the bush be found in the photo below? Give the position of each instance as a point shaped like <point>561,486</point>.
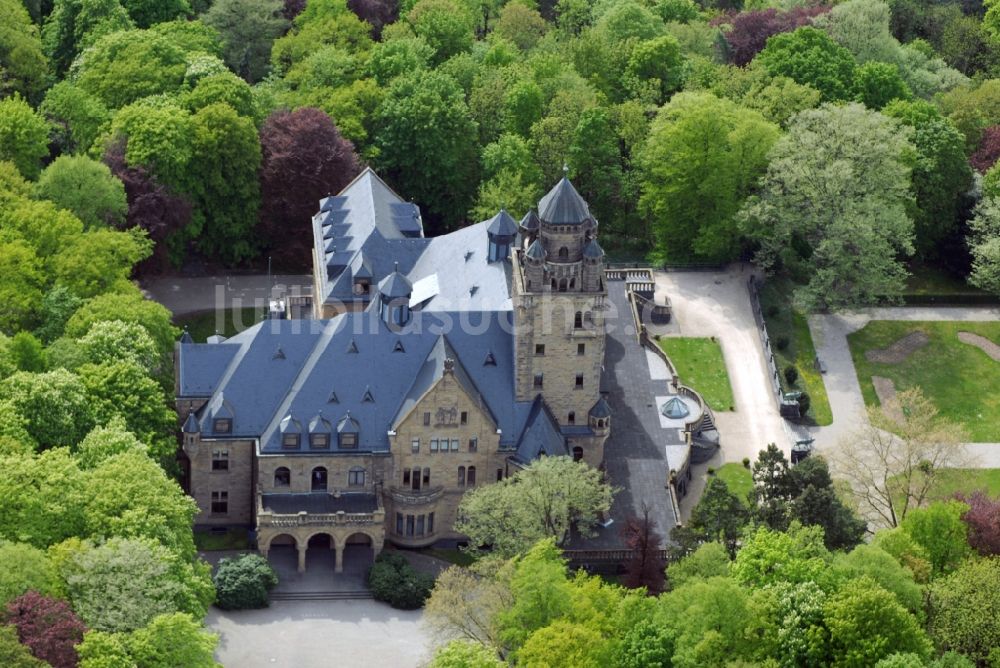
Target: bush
<point>781,342</point>
<point>746,462</point>
<point>243,582</point>
<point>772,311</point>
<point>804,403</point>
<point>791,374</point>
<point>394,581</point>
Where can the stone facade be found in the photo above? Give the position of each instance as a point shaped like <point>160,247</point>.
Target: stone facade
<point>221,480</point>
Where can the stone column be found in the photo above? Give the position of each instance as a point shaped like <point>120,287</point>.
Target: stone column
<point>302,557</point>
<point>377,547</point>
<point>339,567</point>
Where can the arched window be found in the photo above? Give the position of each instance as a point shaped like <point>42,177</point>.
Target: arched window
<point>571,418</point>
<point>578,320</point>
<point>562,285</point>
<point>563,253</point>
<point>461,476</point>
<point>554,284</point>
<point>572,283</point>
<point>577,453</point>
<point>470,477</point>
<point>319,479</point>
<point>282,477</point>
<point>356,477</point>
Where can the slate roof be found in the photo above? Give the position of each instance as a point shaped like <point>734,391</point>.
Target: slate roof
<point>563,205</point>
<point>541,435</point>
<point>593,249</point>
<point>502,225</point>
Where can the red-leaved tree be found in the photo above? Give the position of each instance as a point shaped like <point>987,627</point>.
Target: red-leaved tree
<point>749,31</point>
<point>645,568</point>
<point>304,158</point>
<point>379,13</point>
<point>46,626</point>
<point>151,207</point>
<point>983,519</point>
<point>988,151</point>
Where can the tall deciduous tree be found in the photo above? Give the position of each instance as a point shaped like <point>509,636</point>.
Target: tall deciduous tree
<point>891,465</point>
<point>702,159</point>
<point>48,627</point>
<point>939,529</point>
<point>24,135</point>
<point>983,520</point>
<point>26,568</point>
<point>425,128</point>
<point>248,29</point>
<point>749,31</point>
<point>124,66</point>
<point>547,499</point>
<point>24,66</point>
<point>810,57</point>
<point>304,158</point>
<point>54,404</point>
<point>446,25</point>
<point>43,498</point>
<point>984,241</point>
<point>85,187</point>
<point>465,602</point>
<point>834,206</point>
<point>13,654</point>
<point>127,306</point>
<point>964,608</point>
<point>175,639</point>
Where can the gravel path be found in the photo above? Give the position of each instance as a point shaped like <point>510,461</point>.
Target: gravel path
<point>981,342</point>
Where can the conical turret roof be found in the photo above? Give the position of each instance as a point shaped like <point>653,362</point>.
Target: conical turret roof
<point>563,205</point>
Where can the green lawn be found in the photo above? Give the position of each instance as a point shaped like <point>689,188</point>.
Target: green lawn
<point>786,323</point>
<point>738,479</point>
<point>235,539</point>
<point>232,321</point>
<point>700,365</point>
<point>961,380</point>
<point>931,280</point>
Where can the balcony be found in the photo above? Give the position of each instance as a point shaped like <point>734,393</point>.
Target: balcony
<point>415,497</point>
<point>318,509</point>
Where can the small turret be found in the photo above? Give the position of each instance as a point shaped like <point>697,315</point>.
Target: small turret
<point>501,232</point>
<point>394,299</point>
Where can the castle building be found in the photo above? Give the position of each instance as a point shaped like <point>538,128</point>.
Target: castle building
<point>431,366</point>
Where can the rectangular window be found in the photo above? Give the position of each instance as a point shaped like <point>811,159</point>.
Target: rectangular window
<point>222,425</point>
<point>406,476</point>
<point>427,419</point>
<point>420,525</point>
<point>434,445</point>
<point>470,478</point>
<point>539,348</point>
<point>581,349</point>
<point>415,445</point>
<point>499,475</point>
<point>399,524</point>
<point>290,441</point>
<point>454,445</point>
<point>356,477</point>
<point>430,523</point>
<point>349,440</point>
<point>579,381</point>
<point>473,444</point>
<point>319,441</point>
<point>538,380</point>
<point>415,479</point>
<point>220,460</point>
<point>461,476</point>
<point>409,525</point>
<point>427,477</point>
<point>464,418</point>
<point>220,503</point>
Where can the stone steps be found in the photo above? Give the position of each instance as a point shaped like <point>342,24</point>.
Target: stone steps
<point>322,596</point>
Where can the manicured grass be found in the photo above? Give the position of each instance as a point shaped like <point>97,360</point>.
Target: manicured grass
<point>235,539</point>
<point>457,557</point>
<point>785,323</point>
<point>961,380</point>
<point>232,321</point>
<point>700,365</point>
<point>738,479</point>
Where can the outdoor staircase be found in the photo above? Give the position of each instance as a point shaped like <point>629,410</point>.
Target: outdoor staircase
<point>322,596</point>
<point>707,423</point>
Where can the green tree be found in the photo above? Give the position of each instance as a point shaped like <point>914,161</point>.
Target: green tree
<point>709,620</point>
<point>146,13</point>
<point>110,341</point>
<point>425,128</point>
<point>174,640</point>
<point>123,584</point>
<point>26,352</point>
<point>248,29</point>
<point>964,610</point>
<point>104,650</point>
<point>100,260</point>
<point>395,57</point>
<point>984,242</point>
<point>24,135</point>
<point>130,496</point>
<point>13,654</point>
<point>74,25</point>
<point>523,107</point>
<point>159,136</point>
<point>883,568</point>
<point>816,503</point>
<point>124,66</point>
<point>444,25</point>
<point>222,180</point>
<point>24,68</point>
<point>465,602</point>
<point>719,516</point>
<point>58,305</point>
<point>521,24</point>
<point>709,560</point>
<point>26,568</point>
<point>540,590</point>
<point>21,281</point>
<point>224,87</point>
<point>795,556</point>
<point>702,159</point>
<point>877,84</point>
<point>656,65</point>
<point>773,488</point>
<point>941,174</point>
<point>867,623</point>
<point>43,497</point>
<point>54,404</point>
<point>939,529</point>
<point>595,164</point>
<point>809,57</point>
<point>465,654</point>
<point>85,187</point>
<point>127,306</point>
<point>243,582</point>
<point>793,630</point>
<point>104,442</point>
<point>833,207</point>
<point>564,643</point>
<point>545,499</point>
<point>76,116</point>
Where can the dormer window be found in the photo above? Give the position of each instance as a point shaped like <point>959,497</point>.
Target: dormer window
<point>319,441</point>
<point>362,286</point>
<point>290,440</point>
<point>222,425</point>
<point>348,440</point>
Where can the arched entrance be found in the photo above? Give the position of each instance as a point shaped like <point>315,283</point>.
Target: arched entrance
<point>282,552</point>
<point>359,553</point>
<point>321,553</point>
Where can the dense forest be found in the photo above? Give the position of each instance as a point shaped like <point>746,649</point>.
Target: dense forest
<point>840,144</point>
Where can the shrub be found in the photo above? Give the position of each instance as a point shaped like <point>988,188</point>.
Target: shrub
<point>746,462</point>
<point>781,342</point>
<point>804,402</point>
<point>772,311</point>
<point>243,582</point>
<point>791,374</point>
<point>394,581</point>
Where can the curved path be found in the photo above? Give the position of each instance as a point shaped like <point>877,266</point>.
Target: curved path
<point>829,332</point>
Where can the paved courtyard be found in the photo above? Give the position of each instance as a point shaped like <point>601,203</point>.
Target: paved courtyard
<point>310,634</point>
<point>196,295</point>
